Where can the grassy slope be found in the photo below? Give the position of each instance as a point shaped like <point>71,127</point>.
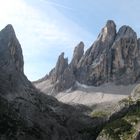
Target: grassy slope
<point>126,127</point>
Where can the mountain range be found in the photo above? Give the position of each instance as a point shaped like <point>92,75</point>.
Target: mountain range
<point>27,112</point>
<point>114,57</point>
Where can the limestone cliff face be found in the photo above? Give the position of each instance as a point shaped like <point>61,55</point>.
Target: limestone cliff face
<point>113,57</point>
<point>125,53</point>
<point>77,55</point>
<point>61,65</point>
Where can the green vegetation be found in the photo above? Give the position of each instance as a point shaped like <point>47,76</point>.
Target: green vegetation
<point>119,130</point>
<point>99,114</point>
<point>124,128</point>
<point>126,101</point>
<point>133,116</point>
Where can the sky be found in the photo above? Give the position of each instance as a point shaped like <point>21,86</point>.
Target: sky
<point>45,28</point>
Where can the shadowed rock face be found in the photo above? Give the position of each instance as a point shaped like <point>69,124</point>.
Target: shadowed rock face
<point>11,53</point>
<point>125,62</point>
<point>113,57</point>
<point>77,55</point>
<point>11,63</point>
<point>26,113</point>
<point>138,136</point>
<point>66,78</point>
<point>61,65</point>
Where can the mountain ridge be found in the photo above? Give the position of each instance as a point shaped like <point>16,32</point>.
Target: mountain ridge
<point>114,57</point>
<point>28,114</point>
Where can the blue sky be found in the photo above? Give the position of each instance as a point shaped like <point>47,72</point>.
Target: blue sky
<point>45,28</point>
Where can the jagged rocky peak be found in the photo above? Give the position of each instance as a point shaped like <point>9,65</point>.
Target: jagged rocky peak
<point>108,32</point>
<point>101,45</point>
<point>11,53</point>
<point>62,75</point>
<point>8,31</point>
<point>11,61</point>
<point>62,59</point>
<point>113,57</point>
<point>61,65</point>
<point>77,54</point>
<point>126,32</point>
<point>125,54</point>
<point>106,36</point>
<point>92,68</point>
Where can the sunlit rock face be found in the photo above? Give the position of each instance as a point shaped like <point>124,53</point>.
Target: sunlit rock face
<point>92,65</point>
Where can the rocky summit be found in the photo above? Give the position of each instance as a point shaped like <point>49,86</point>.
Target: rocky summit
<point>114,57</point>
